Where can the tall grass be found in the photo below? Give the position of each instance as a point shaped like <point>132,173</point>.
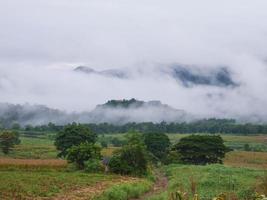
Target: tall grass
<point>212,180</point>
<point>126,191</point>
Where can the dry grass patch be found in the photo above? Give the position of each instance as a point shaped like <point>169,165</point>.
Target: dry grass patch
<point>6,163</point>
<point>246,159</point>
<point>109,150</point>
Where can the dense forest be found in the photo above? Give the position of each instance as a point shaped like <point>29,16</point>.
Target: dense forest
<point>226,126</point>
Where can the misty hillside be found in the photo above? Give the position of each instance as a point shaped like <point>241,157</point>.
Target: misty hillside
<point>123,111</point>
<point>117,73</point>
<point>186,75</point>
<point>114,111</point>
<point>30,114</point>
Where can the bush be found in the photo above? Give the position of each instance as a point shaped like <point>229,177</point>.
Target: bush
<point>83,152</point>
<point>131,159</point>
<point>7,140</point>
<point>173,157</point>
<point>119,166</point>
<point>116,142</point>
<point>104,144</point>
<point>93,166</point>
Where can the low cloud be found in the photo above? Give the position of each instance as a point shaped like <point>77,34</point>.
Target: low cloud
<point>43,41</point>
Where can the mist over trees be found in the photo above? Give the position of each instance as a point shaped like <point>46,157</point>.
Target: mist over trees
<point>213,126</point>
<point>113,111</point>
<point>120,116</point>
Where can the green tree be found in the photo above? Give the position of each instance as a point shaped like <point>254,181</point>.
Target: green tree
<point>104,143</point>
<point>131,159</point>
<point>7,140</point>
<point>247,147</point>
<point>83,152</point>
<point>73,135</point>
<point>201,149</point>
<point>116,142</point>
<point>16,126</point>
<point>158,144</point>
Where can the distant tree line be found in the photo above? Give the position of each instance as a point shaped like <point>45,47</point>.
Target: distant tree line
<point>226,126</point>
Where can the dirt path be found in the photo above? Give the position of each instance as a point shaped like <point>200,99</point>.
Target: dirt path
<point>159,186</point>
<point>91,191</point>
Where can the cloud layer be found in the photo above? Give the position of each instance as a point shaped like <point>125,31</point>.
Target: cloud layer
<point>43,41</point>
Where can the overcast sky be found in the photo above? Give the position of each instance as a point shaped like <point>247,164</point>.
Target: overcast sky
<point>41,41</point>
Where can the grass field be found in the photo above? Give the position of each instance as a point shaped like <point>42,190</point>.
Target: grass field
<point>43,148</point>
<point>40,148</point>
<point>33,148</point>
<point>29,185</point>
<point>32,164</point>
<point>33,171</point>
<point>211,181</point>
<point>256,160</point>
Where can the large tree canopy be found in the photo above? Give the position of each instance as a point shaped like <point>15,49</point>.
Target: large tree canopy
<point>201,149</point>
<point>158,144</point>
<point>73,135</point>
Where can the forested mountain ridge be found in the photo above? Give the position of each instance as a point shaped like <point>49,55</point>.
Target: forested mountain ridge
<point>113,111</point>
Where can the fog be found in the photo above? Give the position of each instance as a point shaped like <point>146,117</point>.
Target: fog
<point>42,42</point>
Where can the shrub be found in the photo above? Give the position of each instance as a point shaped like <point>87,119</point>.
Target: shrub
<point>104,144</point>
<point>7,140</point>
<point>131,159</point>
<point>247,147</point>
<point>119,166</point>
<point>116,142</point>
<point>83,152</point>
<point>93,166</point>
<point>173,157</point>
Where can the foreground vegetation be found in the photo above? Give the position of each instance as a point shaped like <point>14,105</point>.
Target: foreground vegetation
<point>255,160</point>
<point>213,180</point>
<point>32,170</point>
<point>125,191</point>
<point>22,184</point>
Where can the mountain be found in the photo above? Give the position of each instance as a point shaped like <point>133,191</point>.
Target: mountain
<point>30,114</point>
<point>117,73</point>
<point>186,75</point>
<point>190,76</point>
<point>113,111</point>
<point>124,111</point>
